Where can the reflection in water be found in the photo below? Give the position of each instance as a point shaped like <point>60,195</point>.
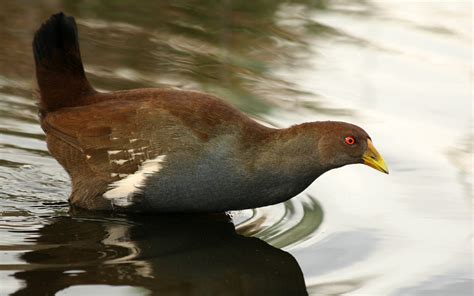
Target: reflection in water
<point>170,254</point>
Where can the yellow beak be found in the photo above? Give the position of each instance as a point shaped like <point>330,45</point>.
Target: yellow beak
<point>373,159</point>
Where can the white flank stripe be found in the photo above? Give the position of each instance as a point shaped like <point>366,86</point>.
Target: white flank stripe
<point>112,152</point>
<point>120,161</point>
<point>123,190</point>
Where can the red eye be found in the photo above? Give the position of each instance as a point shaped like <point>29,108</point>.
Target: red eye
<point>349,140</point>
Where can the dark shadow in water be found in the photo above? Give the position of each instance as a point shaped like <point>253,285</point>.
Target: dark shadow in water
<point>169,254</point>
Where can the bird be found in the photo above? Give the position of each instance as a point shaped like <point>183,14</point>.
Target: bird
<point>172,150</point>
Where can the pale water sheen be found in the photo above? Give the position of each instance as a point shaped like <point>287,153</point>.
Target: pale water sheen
<point>400,69</point>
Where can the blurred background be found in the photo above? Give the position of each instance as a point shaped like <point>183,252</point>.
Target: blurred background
<point>400,69</point>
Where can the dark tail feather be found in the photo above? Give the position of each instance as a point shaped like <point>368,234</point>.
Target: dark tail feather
<point>59,70</point>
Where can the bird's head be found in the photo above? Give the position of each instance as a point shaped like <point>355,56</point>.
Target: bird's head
<point>342,143</point>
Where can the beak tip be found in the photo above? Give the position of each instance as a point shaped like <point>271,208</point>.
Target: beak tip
<point>373,159</point>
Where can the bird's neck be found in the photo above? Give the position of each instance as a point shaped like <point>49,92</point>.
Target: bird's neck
<point>286,162</point>
<point>291,149</point>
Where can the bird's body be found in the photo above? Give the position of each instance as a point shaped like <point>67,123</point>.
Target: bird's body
<point>229,161</point>
<point>168,149</point>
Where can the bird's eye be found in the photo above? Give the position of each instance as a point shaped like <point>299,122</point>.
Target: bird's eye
<point>349,140</point>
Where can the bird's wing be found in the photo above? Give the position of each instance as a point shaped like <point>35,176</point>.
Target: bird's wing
<point>108,142</point>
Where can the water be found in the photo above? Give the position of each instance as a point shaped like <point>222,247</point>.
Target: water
<point>400,69</point>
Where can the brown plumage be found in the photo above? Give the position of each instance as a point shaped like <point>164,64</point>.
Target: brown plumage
<point>173,150</point>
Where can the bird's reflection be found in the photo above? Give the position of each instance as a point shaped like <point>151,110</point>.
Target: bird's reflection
<point>166,254</point>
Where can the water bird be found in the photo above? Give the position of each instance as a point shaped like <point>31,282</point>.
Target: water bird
<point>170,150</point>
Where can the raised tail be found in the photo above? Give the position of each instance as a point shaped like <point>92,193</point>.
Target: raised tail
<point>59,70</point>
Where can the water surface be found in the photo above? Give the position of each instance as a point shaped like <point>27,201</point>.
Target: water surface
<point>400,69</point>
